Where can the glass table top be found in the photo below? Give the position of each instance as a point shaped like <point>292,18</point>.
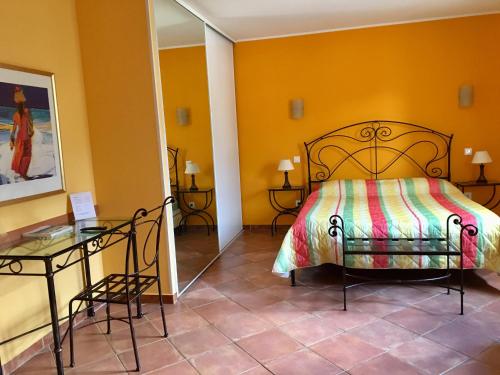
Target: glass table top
<point>38,248</point>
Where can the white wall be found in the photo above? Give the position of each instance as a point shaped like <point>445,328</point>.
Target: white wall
<point>220,68</point>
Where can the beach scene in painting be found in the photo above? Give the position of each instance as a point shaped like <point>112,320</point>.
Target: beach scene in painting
<point>26,139</point>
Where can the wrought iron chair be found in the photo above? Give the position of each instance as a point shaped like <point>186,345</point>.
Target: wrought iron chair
<point>125,288</point>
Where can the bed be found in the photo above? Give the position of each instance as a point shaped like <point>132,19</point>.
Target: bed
<point>379,222</point>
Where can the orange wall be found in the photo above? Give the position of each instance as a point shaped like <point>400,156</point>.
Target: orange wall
<point>184,84</point>
<point>123,127</point>
<point>405,72</point>
<point>44,36</point>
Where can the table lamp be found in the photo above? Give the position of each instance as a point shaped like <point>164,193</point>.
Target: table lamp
<point>481,158</point>
<point>192,169</point>
<point>285,166</point>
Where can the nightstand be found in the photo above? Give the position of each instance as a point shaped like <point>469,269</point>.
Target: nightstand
<point>299,191</point>
<point>490,204</point>
<point>200,212</point>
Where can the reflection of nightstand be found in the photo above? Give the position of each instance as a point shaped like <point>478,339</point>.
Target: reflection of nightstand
<point>491,204</point>
<point>200,212</point>
<point>283,210</point>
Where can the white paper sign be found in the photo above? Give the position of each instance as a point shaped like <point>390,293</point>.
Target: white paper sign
<point>83,205</point>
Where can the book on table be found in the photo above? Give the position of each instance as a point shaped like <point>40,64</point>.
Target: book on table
<point>49,231</point>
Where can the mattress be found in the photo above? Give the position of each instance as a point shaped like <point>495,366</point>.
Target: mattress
<point>396,208</point>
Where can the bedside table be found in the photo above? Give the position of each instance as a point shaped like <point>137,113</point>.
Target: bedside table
<point>490,204</point>
<point>201,212</point>
<point>282,210</point>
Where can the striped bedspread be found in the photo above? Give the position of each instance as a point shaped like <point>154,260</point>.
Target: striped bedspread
<point>404,208</point>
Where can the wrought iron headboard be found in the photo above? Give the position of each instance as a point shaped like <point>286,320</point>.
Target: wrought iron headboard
<point>396,139</point>
<point>172,167</point>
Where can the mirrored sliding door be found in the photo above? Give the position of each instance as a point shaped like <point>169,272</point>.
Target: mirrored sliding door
<point>187,119</point>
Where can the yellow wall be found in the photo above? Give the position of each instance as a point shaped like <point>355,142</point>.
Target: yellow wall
<point>121,109</point>
<point>44,36</point>
<point>405,72</point>
<point>185,84</point>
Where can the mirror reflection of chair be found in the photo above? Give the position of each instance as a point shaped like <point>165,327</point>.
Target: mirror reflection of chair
<point>126,288</point>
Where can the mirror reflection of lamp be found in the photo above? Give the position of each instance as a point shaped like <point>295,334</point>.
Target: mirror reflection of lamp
<point>192,169</point>
<point>285,166</point>
<point>481,158</point>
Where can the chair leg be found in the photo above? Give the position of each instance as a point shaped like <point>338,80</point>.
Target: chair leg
<point>132,333</point>
<point>162,309</point>
<point>71,345</point>
<point>108,312</point>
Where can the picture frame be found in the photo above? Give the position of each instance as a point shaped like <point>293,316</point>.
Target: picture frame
<point>31,161</point>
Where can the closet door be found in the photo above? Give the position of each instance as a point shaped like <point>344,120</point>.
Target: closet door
<point>221,87</point>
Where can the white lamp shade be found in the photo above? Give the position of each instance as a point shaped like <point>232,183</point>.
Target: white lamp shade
<point>191,168</point>
<point>285,165</point>
<point>481,157</point>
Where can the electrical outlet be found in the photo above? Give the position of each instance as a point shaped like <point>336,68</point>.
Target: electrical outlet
<point>298,202</point>
<point>468,194</point>
<point>296,159</point>
<point>468,151</point>
<point>192,205</point>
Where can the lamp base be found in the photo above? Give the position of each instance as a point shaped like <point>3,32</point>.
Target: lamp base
<point>482,178</point>
<point>193,184</point>
<point>286,185</point>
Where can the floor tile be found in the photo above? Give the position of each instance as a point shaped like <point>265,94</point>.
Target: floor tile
<point>491,356</point>
<point>145,333</point>
<point>493,307</point>
<point>460,337</point>
<point>316,301</point>
<point>181,322</point>
<point>200,297</point>
<point>302,362</point>
<point>260,370</point>
<point>382,364</point>
<point>416,320</point>
<point>235,287</point>
<point>240,325</point>
<point>311,330</point>
<point>346,320</point>
<point>256,299</point>
<point>383,334</point>
<point>429,357</point>
<point>41,364</point>
<point>249,269</point>
<point>485,322</point>
<point>198,341</point>
<point>226,360</point>
<point>472,368</point>
<point>376,305</point>
<point>181,368</point>
<point>152,357</point>
<point>87,342</point>
<point>219,310</point>
<point>445,305</point>
<point>281,312</point>
<point>269,345</point>
<point>107,365</point>
<point>288,291</point>
<point>216,278</point>
<point>268,279</point>
<point>346,350</point>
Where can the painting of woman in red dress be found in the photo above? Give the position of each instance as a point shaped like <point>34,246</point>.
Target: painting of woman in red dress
<point>20,137</point>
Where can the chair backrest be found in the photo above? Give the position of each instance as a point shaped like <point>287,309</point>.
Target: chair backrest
<point>143,245</point>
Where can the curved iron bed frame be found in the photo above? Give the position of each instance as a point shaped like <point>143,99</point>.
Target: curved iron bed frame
<point>172,167</point>
<point>379,137</point>
<point>398,140</point>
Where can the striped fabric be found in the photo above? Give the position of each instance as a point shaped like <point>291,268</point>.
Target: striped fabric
<point>403,208</point>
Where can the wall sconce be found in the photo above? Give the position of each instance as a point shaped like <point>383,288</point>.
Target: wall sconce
<point>182,116</point>
<point>297,108</point>
<point>465,96</point>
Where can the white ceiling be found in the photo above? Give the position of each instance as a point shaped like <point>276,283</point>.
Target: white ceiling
<point>176,27</point>
<point>254,19</point>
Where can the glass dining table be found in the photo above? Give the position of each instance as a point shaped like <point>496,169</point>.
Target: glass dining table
<point>47,257</point>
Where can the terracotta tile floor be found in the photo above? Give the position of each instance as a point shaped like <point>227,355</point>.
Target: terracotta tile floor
<point>240,319</point>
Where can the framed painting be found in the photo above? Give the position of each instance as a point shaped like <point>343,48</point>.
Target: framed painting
<point>30,151</point>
